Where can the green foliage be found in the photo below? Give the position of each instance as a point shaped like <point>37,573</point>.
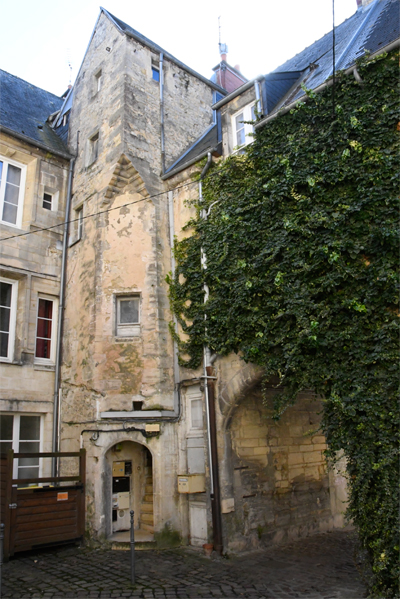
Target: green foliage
<point>302,249</point>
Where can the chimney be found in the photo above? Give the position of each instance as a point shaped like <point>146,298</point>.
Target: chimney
<point>359,4</point>
<point>223,50</point>
<point>237,67</point>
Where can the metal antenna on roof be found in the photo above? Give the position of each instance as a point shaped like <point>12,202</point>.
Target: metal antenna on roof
<point>333,59</point>
<point>219,34</point>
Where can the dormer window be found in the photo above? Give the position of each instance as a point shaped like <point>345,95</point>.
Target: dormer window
<point>242,130</point>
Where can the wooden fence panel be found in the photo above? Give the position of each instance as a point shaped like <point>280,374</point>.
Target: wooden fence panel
<point>38,516</point>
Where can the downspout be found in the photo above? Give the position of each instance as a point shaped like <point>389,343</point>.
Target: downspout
<point>259,104</point>
<point>57,389</point>
<point>177,403</point>
<point>215,494</point>
<point>162,113</point>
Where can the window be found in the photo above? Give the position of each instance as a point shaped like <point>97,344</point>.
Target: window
<point>93,148</point>
<point>45,331</point>
<point>8,303</point>
<point>12,184</point>
<point>98,81</point>
<point>22,433</point>
<point>242,130</point>
<point>79,223</point>
<point>155,71</point>
<point>127,315</point>
<point>47,201</point>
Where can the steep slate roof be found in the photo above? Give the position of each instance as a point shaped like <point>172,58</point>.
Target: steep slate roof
<point>370,28</point>
<point>24,109</point>
<point>208,141</point>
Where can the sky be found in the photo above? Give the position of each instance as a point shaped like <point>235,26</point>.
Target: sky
<point>39,39</point>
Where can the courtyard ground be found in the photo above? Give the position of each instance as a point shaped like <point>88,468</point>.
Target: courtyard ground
<point>318,567</point>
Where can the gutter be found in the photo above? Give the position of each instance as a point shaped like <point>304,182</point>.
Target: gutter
<point>185,165</point>
<point>209,380</point>
<point>237,92</point>
<point>35,143</point>
<point>352,69</point>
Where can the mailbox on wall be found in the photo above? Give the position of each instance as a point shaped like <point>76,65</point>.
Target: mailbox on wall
<point>191,483</point>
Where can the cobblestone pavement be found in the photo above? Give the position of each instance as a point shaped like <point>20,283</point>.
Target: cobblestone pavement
<point>319,567</point>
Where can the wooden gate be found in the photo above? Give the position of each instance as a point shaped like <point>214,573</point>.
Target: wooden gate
<point>41,515</point>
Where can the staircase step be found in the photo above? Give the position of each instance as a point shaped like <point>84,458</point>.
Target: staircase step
<point>147,507</point>
<point>149,480</point>
<point>149,489</point>
<point>148,527</point>
<point>148,498</point>
<point>146,518</point>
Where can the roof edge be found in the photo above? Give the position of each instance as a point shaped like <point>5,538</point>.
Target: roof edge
<point>35,143</point>
<point>186,165</point>
<point>327,83</point>
<point>153,46</point>
<point>237,92</point>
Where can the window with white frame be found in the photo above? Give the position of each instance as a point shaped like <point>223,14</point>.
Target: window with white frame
<point>45,330</point>
<point>128,315</point>
<point>23,434</point>
<point>241,128</point>
<point>8,311</point>
<point>12,186</point>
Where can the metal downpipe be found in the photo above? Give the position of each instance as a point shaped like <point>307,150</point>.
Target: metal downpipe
<point>56,404</point>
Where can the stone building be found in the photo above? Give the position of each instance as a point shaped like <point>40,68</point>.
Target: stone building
<point>34,165</point>
<point>139,124</point>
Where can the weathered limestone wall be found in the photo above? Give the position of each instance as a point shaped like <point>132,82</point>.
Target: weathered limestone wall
<point>34,262</point>
<point>277,475</point>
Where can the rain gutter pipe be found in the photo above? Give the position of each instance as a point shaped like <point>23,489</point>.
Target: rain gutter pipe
<point>161,71</point>
<point>352,69</point>
<point>57,389</point>
<point>215,493</point>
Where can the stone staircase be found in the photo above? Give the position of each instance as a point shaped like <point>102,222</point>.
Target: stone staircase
<point>146,521</point>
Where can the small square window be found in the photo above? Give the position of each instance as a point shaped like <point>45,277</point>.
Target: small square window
<point>128,316</point>
<point>47,201</point>
<point>155,73</point>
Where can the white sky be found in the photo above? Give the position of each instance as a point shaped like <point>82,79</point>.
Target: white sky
<point>38,37</point>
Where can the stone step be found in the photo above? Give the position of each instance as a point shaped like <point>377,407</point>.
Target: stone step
<point>149,480</point>
<point>147,527</point>
<point>148,498</point>
<point>146,518</point>
<point>147,507</point>
<point>148,489</point>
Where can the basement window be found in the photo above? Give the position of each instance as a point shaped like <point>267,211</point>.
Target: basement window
<point>128,315</point>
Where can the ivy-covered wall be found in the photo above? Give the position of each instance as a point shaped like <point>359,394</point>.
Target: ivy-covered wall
<point>302,266</point>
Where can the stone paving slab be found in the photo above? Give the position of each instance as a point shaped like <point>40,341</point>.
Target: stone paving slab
<point>318,567</point>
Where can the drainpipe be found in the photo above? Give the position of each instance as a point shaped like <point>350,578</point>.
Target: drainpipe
<point>259,104</point>
<point>215,494</point>
<point>162,113</point>
<point>57,389</point>
<point>177,403</point>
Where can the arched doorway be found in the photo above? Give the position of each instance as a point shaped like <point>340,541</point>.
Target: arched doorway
<point>128,485</point>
